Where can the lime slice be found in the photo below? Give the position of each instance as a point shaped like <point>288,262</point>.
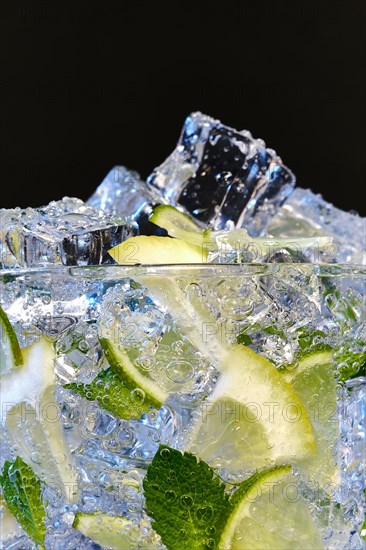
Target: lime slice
<point>182,226</point>
<point>133,378</point>
<point>10,352</point>
<point>306,364</point>
<point>32,417</point>
<point>269,514</point>
<point>314,382</point>
<point>254,415</point>
<point>157,250</point>
<point>177,224</point>
<point>115,532</point>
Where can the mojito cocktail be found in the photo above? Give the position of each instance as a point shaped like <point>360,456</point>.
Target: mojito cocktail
<point>192,376</point>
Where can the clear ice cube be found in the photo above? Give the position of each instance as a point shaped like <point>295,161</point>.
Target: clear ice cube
<point>124,193</point>
<point>67,232</point>
<point>351,492</point>
<point>306,214</point>
<point>222,176</point>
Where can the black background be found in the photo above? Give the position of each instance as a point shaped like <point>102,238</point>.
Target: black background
<point>88,85</point>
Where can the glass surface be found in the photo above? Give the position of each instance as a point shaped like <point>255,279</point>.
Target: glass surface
<point>178,329</point>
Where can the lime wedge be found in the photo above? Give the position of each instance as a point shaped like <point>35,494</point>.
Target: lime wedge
<point>32,417</point>
<point>306,364</point>
<point>314,382</point>
<point>134,379</point>
<point>269,514</point>
<point>10,352</point>
<point>182,226</point>
<point>157,250</point>
<point>252,413</point>
<point>114,532</point>
<point>177,224</point>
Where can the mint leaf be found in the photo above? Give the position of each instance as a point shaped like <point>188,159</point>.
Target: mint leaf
<point>351,364</point>
<point>22,493</point>
<point>337,303</point>
<point>311,341</point>
<point>112,394</point>
<point>186,500</point>
<point>244,339</point>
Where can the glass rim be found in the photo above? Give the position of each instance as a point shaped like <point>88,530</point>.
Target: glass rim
<point>112,271</point>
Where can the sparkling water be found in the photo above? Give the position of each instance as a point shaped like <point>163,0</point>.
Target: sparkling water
<point>269,304</point>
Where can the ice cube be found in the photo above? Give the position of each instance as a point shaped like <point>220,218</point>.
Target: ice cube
<point>352,413</point>
<point>67,232</point>
<point>124,193</point>
<point>306,214</point>
<point>222,176</point>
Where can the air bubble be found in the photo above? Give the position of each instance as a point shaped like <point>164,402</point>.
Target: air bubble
<point>177,346</point>
<point>187,501</point>
<point>165,453</point>
<point>180,371</point>
<point>170,495</point>
<point>36,458</point>
<point>138,395</point>
<point>153,415</point>
<point>145,362</point>
<point>83,345</point>
<point>204,514</point>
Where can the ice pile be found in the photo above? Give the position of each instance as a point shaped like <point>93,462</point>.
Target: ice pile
<point>307,214</point>
<point>227,179</point>
<point>222,177</point>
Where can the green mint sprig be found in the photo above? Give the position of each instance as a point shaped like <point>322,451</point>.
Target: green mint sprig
<point>186,500</point>
<point>23,496</point>
<point>112,394</point>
